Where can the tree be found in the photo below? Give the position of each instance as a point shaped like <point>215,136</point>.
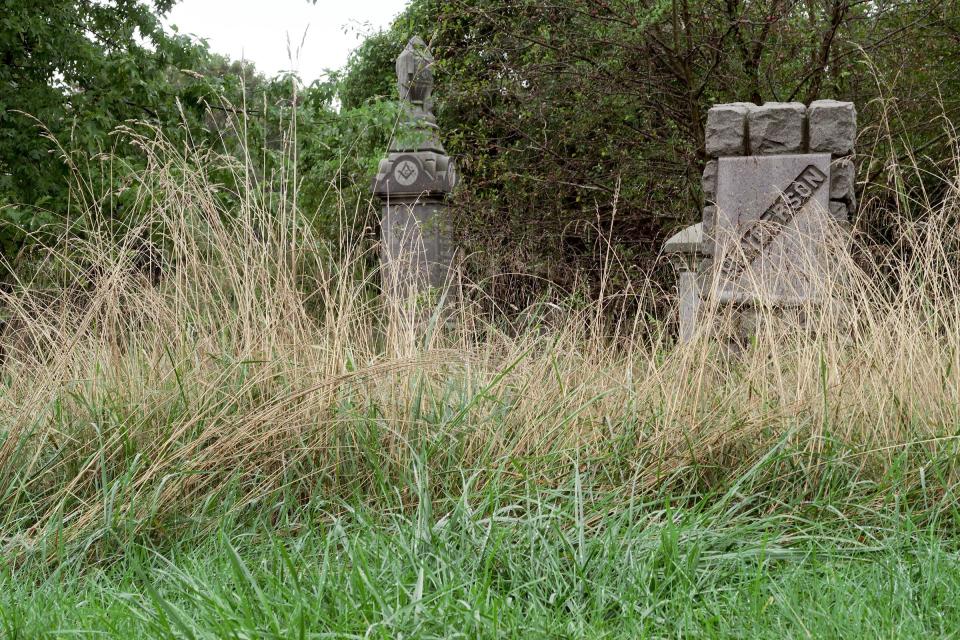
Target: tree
<point>72,70</point>
<point>576,122</point>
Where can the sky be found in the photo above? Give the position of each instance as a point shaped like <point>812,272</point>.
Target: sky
<point>260,30</point>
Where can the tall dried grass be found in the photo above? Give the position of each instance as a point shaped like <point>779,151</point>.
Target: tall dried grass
<point>261,371</point>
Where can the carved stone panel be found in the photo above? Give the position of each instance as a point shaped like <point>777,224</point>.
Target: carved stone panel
<point>771,227</point>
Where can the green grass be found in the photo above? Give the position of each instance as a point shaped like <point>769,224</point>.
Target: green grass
<point>258,446</point>
<point>561,545</point>
<point>502,562</point>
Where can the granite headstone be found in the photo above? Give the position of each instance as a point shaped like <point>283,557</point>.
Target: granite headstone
<point>778,182</point>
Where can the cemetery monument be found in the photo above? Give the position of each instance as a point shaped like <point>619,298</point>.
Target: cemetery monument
<point>779,183</point>
<point>412,185</point>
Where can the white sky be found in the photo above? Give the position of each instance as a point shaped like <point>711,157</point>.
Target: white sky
<point>257,30</point>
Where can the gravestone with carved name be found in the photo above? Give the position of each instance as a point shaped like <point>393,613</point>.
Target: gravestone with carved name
<point>413,183</point>
<point>778,186</point>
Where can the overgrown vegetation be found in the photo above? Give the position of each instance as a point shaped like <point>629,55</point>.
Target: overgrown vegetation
<point>211,424</point>
<point>579,123</point>
<point>74,73</point>
<point>219,450</point>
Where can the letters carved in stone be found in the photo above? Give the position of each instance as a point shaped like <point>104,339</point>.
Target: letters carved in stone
<point>771,222</point>
<point>771,227</point>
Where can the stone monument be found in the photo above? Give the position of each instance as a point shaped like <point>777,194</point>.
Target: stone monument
<point>779,183</point>
<point>412,185</point>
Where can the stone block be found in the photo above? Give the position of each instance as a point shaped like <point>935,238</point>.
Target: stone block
<point>839,211</point>
<point>776,127</point>
<point>843,182</point>
<point>833,127</point>
<point>709,222</point>
<point>414,174</point>
<point>416,245</point>
<point>709,181</point>
<point>770,228</point>
<point>687,241</point>
<point>726,132</point>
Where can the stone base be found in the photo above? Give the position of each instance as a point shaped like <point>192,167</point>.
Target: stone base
<point>417,249</point>
<point>742,326</point>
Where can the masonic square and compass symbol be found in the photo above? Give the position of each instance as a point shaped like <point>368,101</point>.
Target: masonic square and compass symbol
<point>406,172</point>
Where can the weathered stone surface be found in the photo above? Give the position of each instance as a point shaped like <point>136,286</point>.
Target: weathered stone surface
<point>707,231</point>
<point>839,211</point>
<point>776,127</point>
<point>843,182</point>
<point>417,251</point>
<point>773,208</point>
<point>771,220</point>
<point>726,132</point>
<point>416,246</point>
<point>833,127</point>
<point>709,181</point>
<point>417,129</point>
<point>685,250</point>
<point>685,241</point>
<point>420,173</point>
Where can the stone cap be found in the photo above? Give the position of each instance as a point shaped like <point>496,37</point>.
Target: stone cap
<point>415,72</point>
<point>686,241</point>
<point>774,128</point>
<point>415,175</point>
<point>833,126</point>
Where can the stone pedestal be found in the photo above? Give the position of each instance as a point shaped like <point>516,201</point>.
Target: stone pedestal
<point>417,252</point>
<point>685,252</point>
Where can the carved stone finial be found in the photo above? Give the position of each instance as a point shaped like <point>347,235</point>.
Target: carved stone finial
<point>418,126</point>
<point>415,73</point>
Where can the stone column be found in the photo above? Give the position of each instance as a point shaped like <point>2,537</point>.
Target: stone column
<point>684,249</point>
<point>412,185</point>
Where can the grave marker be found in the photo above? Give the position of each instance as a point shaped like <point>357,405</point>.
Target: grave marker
<point>779,181</point>
<point>412,184</point>
<point>770,227</point>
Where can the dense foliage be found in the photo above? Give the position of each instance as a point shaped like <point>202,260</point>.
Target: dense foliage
<point>71,72</point>
<point>581,121</point>
<point>577,124</point>
<point>78,76</point>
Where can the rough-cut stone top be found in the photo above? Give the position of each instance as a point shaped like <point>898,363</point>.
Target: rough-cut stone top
<point>726,130</point>
<point>778,128</point>
<point>688,240</point>
<point>417,164</point>
<point>833,127</point>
